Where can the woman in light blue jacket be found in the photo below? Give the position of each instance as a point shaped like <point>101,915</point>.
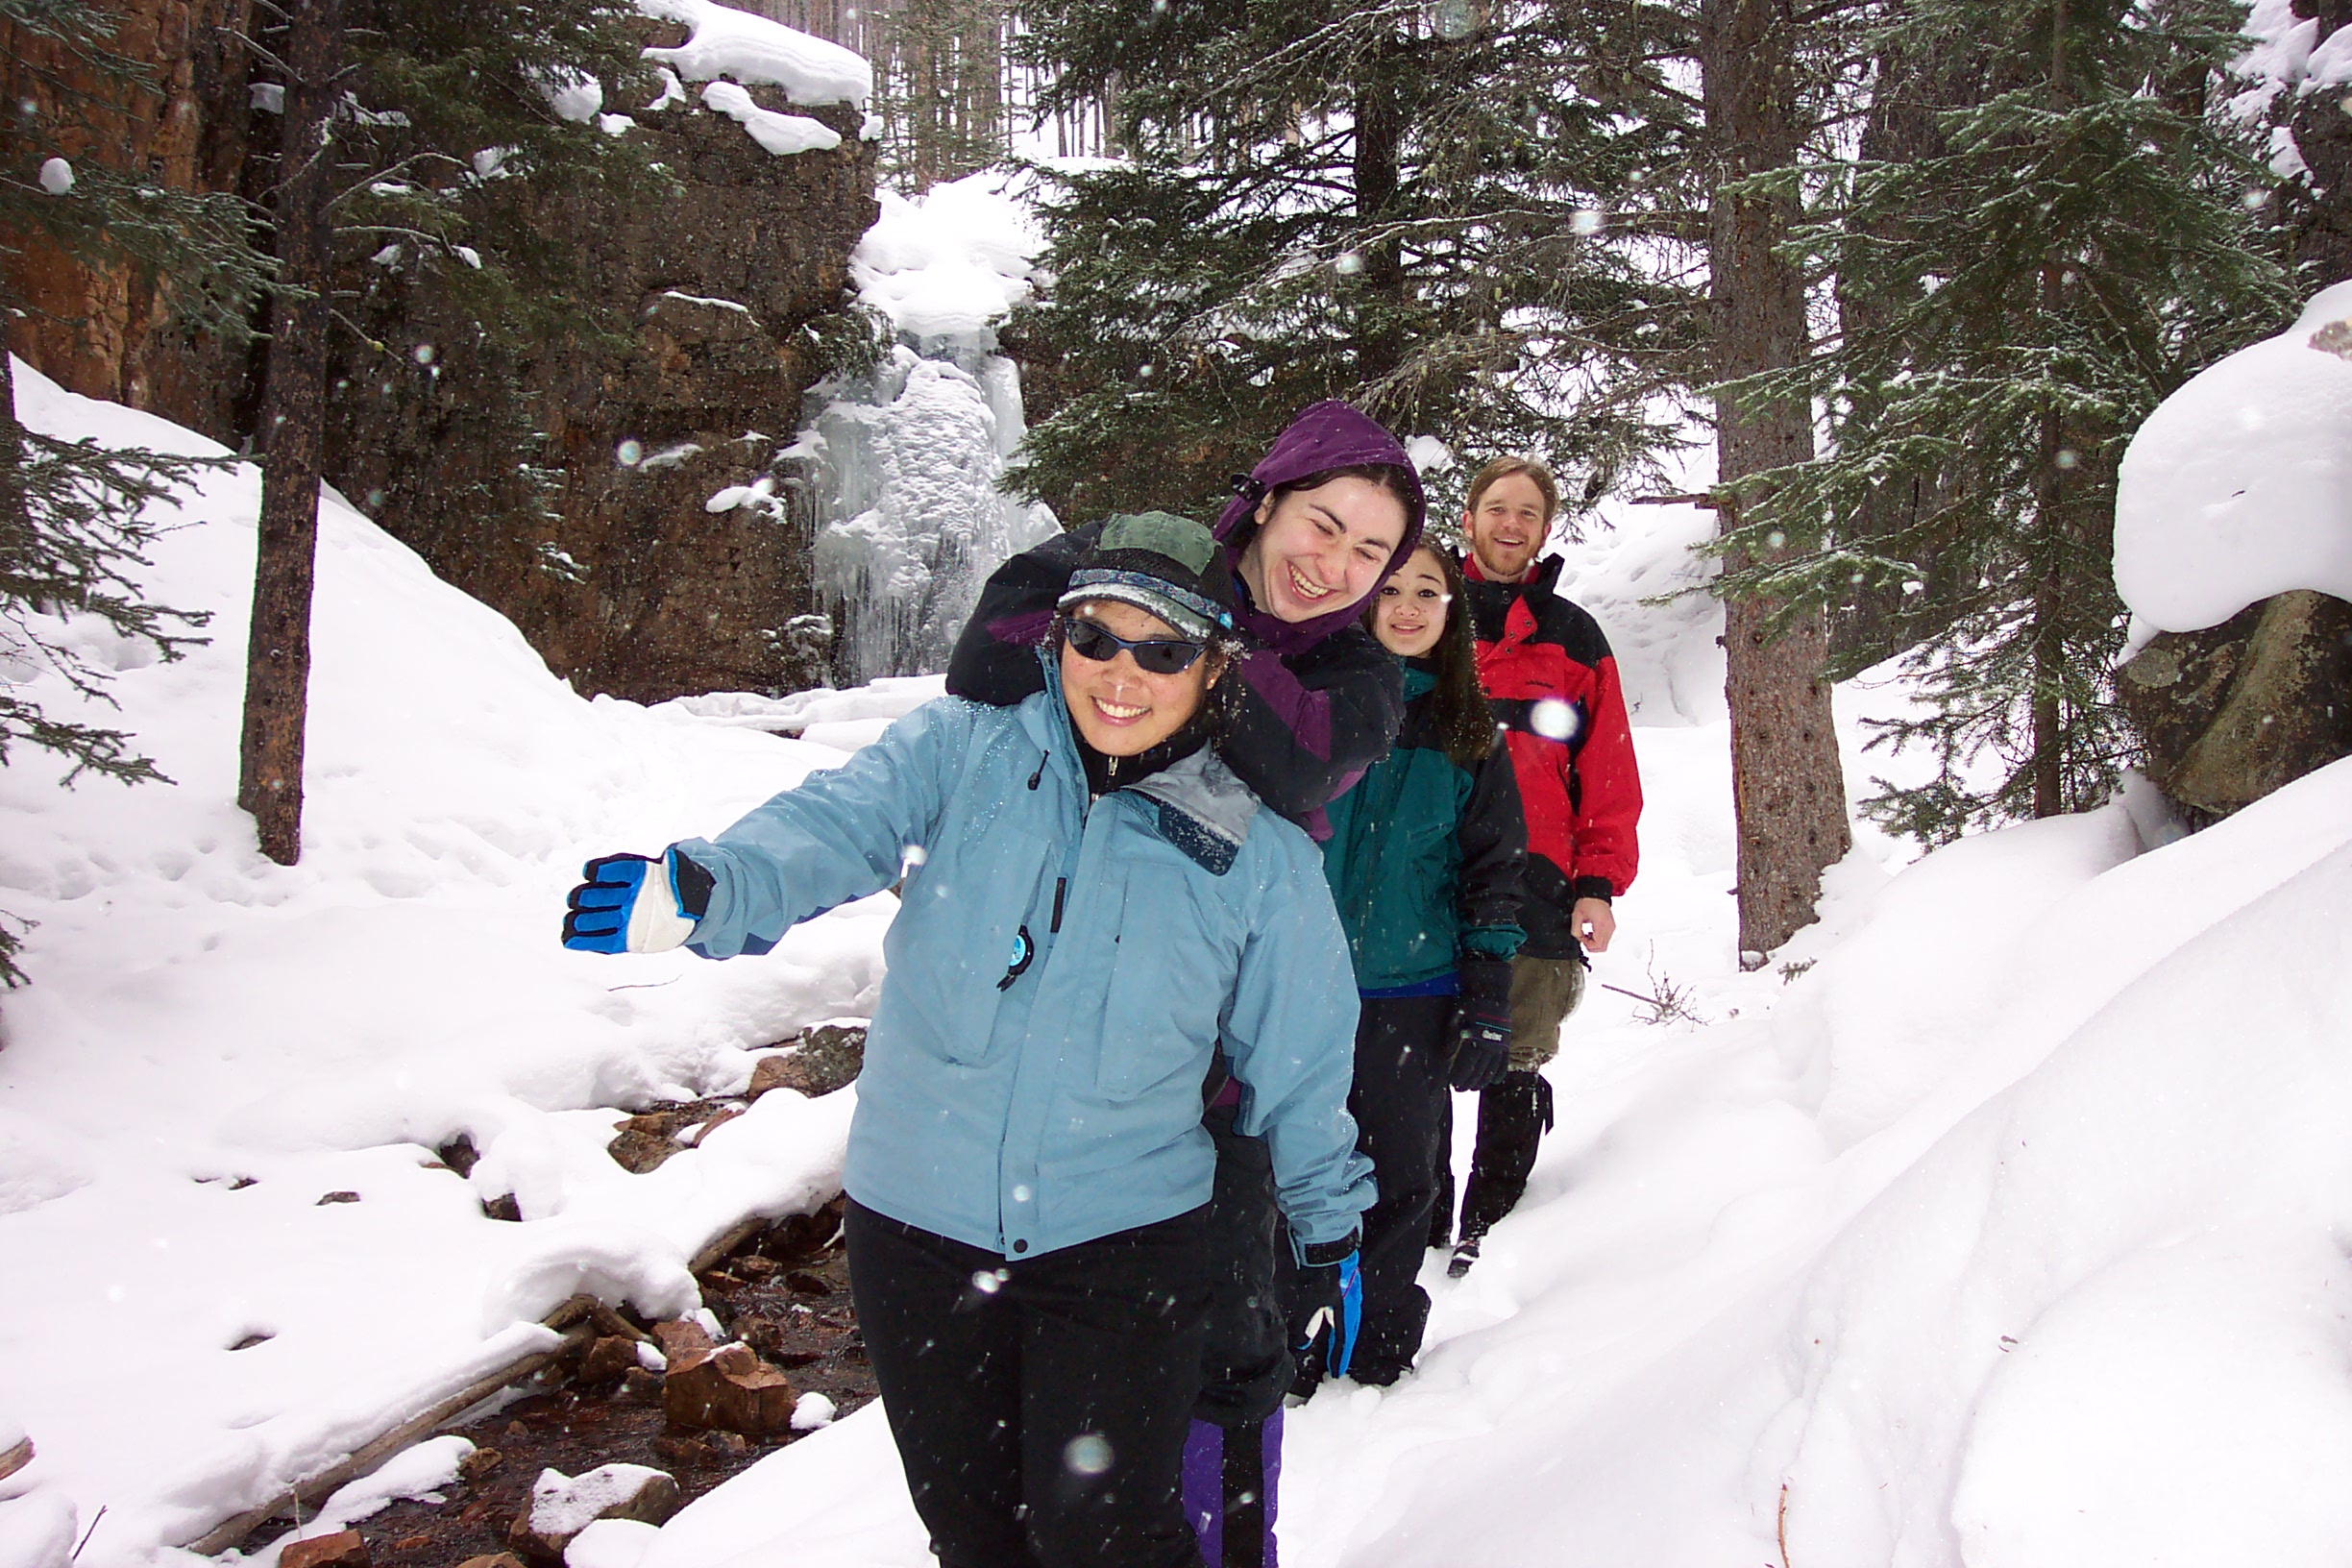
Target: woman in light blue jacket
<point>1096,904</point>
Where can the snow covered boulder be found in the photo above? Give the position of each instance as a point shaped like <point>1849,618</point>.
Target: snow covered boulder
<point>563,1506</point>
<point>2234,550</point>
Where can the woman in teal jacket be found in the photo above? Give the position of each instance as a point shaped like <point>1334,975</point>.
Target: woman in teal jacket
<point>1098,903</point>
<point>1425,860</point>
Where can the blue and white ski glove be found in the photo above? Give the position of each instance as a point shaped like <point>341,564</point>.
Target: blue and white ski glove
<point>1336,1290</point>
<point>636,904</point>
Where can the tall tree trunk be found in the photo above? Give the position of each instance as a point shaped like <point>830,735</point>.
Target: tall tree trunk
<point>293,425</point>
<point>1380,140</point>
<point>2048,635</point>
<point>1788,786</point>
<point>16,512</point>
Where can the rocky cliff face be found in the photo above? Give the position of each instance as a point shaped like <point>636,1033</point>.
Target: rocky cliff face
<point>575,489</point>
<point>2323,138</point>
<point>570,487</point>
<point>105,333</point>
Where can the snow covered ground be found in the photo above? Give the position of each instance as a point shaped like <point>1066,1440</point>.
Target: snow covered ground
<point>2000,1222</point>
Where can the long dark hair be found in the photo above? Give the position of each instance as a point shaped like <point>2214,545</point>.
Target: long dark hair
<point>1457,705</point>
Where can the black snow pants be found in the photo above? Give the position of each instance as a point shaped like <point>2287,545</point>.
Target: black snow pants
<point>1403,1046</point>
<point>1514,1113</point>
<point>1040,1404</point>
<point>1233,1455</point>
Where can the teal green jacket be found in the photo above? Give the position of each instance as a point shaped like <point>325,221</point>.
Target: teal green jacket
<point>1426,859</point>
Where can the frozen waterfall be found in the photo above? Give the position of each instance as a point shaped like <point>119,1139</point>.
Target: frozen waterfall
<point>900,465</point>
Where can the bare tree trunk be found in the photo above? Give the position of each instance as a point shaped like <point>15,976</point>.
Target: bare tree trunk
<point>1788,786</point>
<point>2048,645</point>
<point>293,423</point>
<point>1379,139</point>
<point>16,514</point>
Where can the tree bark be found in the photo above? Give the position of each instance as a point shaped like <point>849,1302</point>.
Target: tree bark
<point>16,516</point>
<point>1788,786</point>
<point>293,423</point>
<point>1380,140</point>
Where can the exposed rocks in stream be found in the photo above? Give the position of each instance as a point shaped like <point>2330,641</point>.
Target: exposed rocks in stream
<point>792,1343</point>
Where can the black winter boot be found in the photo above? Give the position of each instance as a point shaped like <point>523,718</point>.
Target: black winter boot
<point>1513,1116</point>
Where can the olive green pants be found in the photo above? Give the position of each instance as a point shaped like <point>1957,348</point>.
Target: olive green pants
<point>1543,993</point>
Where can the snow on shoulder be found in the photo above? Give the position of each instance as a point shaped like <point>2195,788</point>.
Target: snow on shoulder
<point>756,51</point>
<point>2239,484</point>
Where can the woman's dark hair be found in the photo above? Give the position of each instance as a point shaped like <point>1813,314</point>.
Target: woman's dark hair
<point>1466,726</point>
<point>1387,476</point>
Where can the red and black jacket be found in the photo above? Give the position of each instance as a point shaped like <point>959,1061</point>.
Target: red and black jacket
<point>1553,684</point>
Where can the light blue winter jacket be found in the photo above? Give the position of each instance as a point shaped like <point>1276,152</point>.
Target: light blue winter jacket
<point>1059,977</point>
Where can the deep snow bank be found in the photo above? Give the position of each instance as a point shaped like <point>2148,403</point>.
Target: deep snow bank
<point>202,1020</point>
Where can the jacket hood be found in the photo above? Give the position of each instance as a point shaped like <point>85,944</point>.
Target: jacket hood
<point>1324,435</point>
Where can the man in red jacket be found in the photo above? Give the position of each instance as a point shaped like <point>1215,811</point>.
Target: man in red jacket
<point>1553,685</point>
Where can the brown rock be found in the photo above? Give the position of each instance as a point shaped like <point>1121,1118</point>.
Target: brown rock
<point>479,1463</point>
<point>2238,710</point>
<point>640,1385</point>
<point>823,1059</point>
<point>684,1451</point>
<point>608,1360</point>
<point>730,1389</point>
<point>496,1559</point>
<point>563,1506</point>
<point>682,1337</point>
<point>344,1549</point>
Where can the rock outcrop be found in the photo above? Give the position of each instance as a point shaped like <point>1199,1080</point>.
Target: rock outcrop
<point>2238,710</point>
<point>592,523</point>
<point>572,486</point>
<point>106,332</point>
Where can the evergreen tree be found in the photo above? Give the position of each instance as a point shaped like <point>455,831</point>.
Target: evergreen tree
<point>71,522</point>
<point>939,87</point>
<point>2072,247</point>
<point>398,114</point>
<point>1422,208</point>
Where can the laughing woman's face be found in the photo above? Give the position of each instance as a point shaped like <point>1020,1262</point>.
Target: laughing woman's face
<point>1321,549</point>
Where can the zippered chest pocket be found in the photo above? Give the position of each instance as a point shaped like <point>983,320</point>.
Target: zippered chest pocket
<point>1178,952</point>
<point>960,934</point>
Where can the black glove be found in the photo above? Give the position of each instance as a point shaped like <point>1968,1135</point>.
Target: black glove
<point>1482,1023</point>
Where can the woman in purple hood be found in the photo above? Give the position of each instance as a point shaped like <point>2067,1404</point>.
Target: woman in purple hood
<point>1315,528</point>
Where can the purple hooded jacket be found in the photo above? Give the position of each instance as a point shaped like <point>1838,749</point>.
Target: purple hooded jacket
<point>1324,437</point>
<point>1320,701</point>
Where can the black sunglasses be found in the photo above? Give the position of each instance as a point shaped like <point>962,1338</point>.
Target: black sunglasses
<point>1153,655</point>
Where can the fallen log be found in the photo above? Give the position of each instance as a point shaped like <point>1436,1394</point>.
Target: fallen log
<point>580,1319</point>
<point>316,1489</point>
